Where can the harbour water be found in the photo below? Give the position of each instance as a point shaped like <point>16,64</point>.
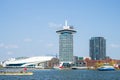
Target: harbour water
<point>52,74</point>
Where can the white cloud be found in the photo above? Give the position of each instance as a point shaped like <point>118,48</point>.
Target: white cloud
<point>54,25</point>
<point>10,52</point>
<point>2,45</point>
<point>11,46</point>
<point>50,45</point>
<point>27,40</point>
<point>115,46</point>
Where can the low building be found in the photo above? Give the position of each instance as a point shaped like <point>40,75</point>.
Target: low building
<point>98,63</point>
<point>79,61</point>
<point>32,62</point>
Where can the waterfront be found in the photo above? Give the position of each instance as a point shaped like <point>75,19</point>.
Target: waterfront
<point>52,74</point>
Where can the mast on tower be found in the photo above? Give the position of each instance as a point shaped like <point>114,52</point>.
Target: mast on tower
<point>66,25</point>
<point>65,22</point>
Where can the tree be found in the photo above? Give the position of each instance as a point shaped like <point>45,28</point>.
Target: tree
<point>98,64</point>
<point>112,62</point>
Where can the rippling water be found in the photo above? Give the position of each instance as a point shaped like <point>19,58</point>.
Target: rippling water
<point>67,75</point>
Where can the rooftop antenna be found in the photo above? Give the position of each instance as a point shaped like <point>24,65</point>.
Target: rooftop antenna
<point>66,26</point>
<point>65,22</point>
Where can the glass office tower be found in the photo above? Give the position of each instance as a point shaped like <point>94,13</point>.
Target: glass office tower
<point>66,43</point>
<point>97,48</point>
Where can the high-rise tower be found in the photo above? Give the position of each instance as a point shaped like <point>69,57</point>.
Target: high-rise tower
<point>66,43</point>
<point>97,48</point>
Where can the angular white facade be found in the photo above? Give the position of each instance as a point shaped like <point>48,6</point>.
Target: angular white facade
<point>27,62</point>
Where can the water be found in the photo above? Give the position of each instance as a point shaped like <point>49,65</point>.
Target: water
<point>67,75</point>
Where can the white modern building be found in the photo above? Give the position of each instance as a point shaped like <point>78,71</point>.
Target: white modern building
<point>34,62</point>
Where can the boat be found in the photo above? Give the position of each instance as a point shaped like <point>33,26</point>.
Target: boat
<point>106,67</point>
<point>80,68</point>
<point>16,73</point>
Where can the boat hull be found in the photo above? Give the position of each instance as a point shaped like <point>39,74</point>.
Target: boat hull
<point>108,69</point>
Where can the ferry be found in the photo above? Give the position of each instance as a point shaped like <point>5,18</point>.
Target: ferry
<point>106,67</point>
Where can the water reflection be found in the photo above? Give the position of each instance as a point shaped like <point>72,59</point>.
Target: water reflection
<point>66,75</point>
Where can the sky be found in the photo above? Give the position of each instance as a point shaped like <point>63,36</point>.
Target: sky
<point>28,27</point>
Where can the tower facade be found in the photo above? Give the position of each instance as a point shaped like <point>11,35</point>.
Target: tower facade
<point>97,48</point>
<point>66,43</point>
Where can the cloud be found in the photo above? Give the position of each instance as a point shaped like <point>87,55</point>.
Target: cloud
<point>27,40</point>
<point>10,52</point>
<point>2,45</point>
<point>50,45</point>
<point>54,25</point>
<point>115,46</point>
<point>11,46</point>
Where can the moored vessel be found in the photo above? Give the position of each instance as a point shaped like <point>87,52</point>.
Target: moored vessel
<point>16,73</point>
<point>106,67</point>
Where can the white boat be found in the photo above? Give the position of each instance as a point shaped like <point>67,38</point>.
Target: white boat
<point>76,67</point>
<point>16,73</point>
<point>106,67</point>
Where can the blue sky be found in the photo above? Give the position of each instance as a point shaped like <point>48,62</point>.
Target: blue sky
<point>28,27</point>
